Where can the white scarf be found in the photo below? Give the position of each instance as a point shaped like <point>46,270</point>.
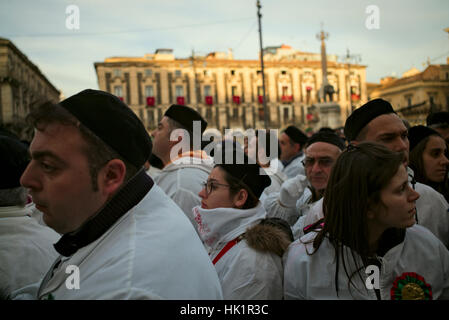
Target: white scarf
<point>220,225</point>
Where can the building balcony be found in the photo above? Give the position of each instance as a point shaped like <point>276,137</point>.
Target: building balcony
<point>287,99</point>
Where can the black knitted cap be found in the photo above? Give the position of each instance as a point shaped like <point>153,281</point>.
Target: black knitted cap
<point>296,135</point>
<point>438,118</point>
<point>113,122</point>
<point>417,133</point>
<point>246,172</point>
<point>360,117</point>
<point>328,137</point>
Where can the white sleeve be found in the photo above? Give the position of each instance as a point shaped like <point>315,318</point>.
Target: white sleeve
<point>274,209</point>
<point>432,210</point>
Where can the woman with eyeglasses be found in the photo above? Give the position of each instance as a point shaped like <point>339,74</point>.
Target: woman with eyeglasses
<point>369,246</point>
<point>429,158</point>
<point>245,248</point>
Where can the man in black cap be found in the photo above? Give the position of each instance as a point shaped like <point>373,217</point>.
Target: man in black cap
<point>26,247</point>
<point>299,194</point>
<point>439,121</point>
<point>376,121</point>
<point>177,142</point>
<point>292,141</point>
<point>121,232</point>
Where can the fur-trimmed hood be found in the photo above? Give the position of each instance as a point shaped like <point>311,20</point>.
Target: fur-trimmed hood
<point>269,237</point>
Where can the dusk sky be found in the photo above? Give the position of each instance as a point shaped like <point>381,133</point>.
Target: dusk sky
<point>409,32</point>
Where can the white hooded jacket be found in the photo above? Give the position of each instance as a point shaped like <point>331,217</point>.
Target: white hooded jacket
<point>151,252</point>
<point>420,254</point>
<point>26,249</point>
<point>244,273</point>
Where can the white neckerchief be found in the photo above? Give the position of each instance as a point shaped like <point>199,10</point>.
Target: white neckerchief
<point>220,225</point>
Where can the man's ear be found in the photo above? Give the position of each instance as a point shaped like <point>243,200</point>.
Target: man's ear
<point>111,176</point>
<point>240,198</point>
<point>297,147</point>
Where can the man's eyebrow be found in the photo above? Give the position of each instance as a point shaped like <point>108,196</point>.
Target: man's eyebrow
<point>389,134</point>
<point>36,155</point>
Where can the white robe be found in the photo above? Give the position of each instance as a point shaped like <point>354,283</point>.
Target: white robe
<point>290,214</point>
<point>313,276</point>
<point>183,181</point>
<point>151,252</point>
<point>245,273</point>
<point>295,167</point>
<point>431,206</point>
<point>26,249</point>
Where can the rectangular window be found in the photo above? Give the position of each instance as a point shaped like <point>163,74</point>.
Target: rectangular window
<point>117,73</point>
<point>149,91</point>
<point>207,91</point>
<point>148,72</point>
<point>118,91</point>
<point>408,98</point>
<point>234,91</point>
<point>179,91</point>
<point>286,115</point>
<point>178,73</point>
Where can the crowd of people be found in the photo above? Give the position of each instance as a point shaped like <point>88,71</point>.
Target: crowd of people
<point>163,217</point>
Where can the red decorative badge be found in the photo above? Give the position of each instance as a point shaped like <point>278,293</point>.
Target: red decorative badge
<point>411,286</point>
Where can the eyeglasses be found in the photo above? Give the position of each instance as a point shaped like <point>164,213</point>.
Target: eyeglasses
<point>322,162</point>
<point>212,185</point>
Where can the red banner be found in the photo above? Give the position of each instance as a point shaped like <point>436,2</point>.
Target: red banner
<point>150,101</point>
<point>209,100</point>
<point>180,100</point>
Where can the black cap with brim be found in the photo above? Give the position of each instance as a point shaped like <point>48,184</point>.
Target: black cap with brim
<point>113,122</point>
<point>185,116</point>
<point>363,115</point>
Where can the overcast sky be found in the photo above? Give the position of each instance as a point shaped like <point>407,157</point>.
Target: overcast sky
<point>409,32</point>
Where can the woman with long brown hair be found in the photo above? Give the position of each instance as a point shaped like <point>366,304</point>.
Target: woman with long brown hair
<point>429,158</point>
<point>369,246</point>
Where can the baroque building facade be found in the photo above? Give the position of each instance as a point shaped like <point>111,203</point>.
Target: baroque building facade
<point>416,93</point>
<point>228,92</point>
<point>21,85</point>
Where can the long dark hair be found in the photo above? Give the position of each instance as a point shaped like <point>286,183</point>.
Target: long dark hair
<point>354,186</point>
<point>417,164</point>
